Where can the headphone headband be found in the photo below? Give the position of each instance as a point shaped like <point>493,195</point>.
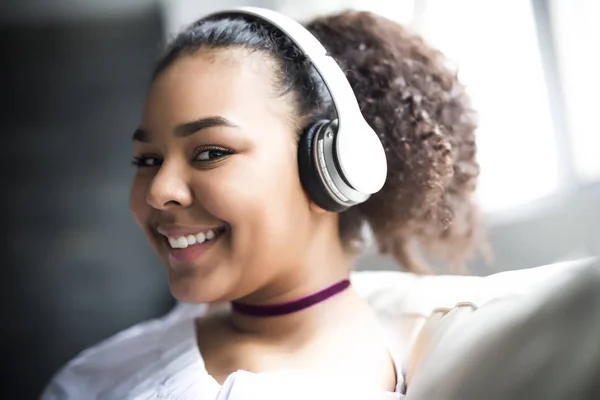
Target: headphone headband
<point>341,92</point>
<point>358,149</point>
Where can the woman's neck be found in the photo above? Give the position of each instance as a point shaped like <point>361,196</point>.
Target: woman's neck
<point>297,326</point>
<point>322,270</point>
<point>300,271</point>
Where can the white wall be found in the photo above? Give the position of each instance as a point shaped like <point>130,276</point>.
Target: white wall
<point>577,37</point>
<point>179,13</point>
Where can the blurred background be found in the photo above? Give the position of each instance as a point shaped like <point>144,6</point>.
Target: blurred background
<point>73,75</point>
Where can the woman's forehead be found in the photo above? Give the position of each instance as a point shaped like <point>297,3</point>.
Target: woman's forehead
<point>226,69</point>
<point>209,83</point>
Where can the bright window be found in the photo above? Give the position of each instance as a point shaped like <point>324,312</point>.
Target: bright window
<point>577,37</point>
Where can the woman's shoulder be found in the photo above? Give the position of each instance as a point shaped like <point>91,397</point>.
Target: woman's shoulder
<point>140,356</point>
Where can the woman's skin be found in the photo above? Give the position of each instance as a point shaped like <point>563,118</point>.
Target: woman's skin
<point>219,153</point>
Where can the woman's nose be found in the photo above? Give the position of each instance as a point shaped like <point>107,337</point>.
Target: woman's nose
<point>169,189</point>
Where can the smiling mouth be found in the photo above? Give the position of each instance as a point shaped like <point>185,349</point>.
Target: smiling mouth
<point>185,241</point>
<point>188,248</point>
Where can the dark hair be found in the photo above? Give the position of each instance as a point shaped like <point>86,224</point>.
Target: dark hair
<point>408,96</point>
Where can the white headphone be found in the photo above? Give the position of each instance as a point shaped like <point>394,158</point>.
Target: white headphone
<point>341,162</point>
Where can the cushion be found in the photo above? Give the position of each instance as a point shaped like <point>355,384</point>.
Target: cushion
<point>539,344</point>
<point>403,300</point>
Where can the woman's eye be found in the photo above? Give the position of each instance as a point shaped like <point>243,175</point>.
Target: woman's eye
<point>211,154</point>
<point>145,162</point>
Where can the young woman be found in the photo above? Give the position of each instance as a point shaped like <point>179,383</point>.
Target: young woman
<point>223,199</point>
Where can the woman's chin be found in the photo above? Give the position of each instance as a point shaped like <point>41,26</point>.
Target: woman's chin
<point>190,288</point>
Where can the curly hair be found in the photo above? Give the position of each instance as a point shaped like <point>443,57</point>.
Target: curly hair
<point>425,121</point>
<point>417,106</point>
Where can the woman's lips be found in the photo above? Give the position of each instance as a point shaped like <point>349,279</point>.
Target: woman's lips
<point>191,246</point>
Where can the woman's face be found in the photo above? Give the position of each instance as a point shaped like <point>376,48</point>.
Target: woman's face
<point>217,192</point>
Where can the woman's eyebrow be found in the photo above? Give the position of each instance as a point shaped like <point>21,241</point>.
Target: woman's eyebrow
<point>188,128</point>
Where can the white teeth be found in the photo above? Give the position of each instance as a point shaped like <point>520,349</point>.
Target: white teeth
<point>190,240</point>
<point>182,242</point>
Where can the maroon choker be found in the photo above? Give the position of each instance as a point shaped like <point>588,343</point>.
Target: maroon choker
<point>272,310</point>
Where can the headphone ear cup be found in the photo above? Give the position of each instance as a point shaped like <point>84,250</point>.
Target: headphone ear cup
<point>309,176</point>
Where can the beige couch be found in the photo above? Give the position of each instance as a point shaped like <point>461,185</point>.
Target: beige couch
<point>399,294</point>
<point>527,333</point>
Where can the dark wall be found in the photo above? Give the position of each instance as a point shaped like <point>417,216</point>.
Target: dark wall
<point>75,268</point>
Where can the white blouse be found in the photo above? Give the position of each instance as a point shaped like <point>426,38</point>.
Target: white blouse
<point>159,359</point>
